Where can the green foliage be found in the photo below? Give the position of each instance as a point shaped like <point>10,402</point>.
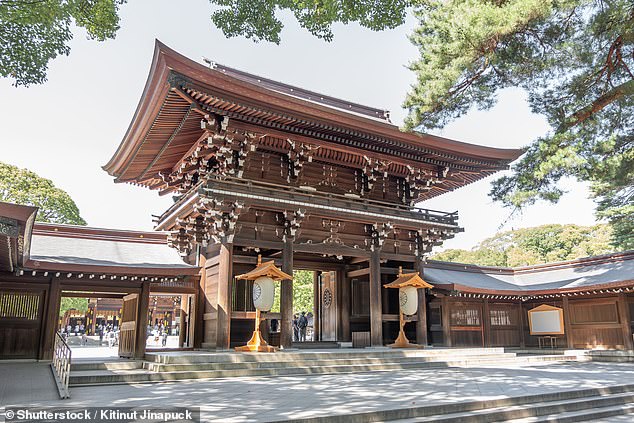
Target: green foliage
<point>22,186</point>
<point>302,292</point>
<point>68,303</point>
<point>575,59</point>
<point>256,19</point>
<point>541,244</point>
<point>33,32</point>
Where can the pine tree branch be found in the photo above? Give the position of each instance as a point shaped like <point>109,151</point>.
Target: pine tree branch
<point>623,90</point>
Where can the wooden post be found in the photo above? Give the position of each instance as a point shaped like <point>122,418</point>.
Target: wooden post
<point>141,327</point>
<point>421,324</point>
<point>317,304</point>
<point>486,323</point>
<point>625,319</point>
<point>520,323</point>
<point>567,326</point>
<point>50,320</point>
<point>376,312</point>
<point>197,311</point>
<point>183,326</point>
<point>225,282</point>
<point>286,296</point>
<point>343,283</point>
<point>446,321</point>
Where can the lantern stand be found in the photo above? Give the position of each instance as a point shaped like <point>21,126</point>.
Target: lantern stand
<point>405,280</point>
<point>262,270</point>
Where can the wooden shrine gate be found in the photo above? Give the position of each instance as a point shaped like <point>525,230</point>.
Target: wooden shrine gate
<point>128,330</point>
<point>21,315</point>
<point>328,306</point>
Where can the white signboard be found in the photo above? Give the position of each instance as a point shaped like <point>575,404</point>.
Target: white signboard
<point>546,320</point>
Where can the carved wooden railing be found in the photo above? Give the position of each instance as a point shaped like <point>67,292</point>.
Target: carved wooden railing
<point>61,365</point>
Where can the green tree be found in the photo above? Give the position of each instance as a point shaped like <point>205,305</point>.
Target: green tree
<point>302,292</point>
<point>574,58</point>
<point>256,19</point>
<point>33,32</point>
<point>537,245</point>
<point>69,303</point>
<point>22,186</point>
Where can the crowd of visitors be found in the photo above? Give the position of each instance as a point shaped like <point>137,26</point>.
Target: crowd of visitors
<point>106,332</point>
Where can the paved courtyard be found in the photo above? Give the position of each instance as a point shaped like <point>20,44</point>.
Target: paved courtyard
<point>270,399</point>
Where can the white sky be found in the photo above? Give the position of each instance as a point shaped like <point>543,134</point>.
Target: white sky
<point>67,128</point>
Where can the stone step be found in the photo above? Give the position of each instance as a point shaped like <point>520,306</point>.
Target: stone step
<point>283,362</point>
<point>576,405</point>
<point>582,415</point>
<point>96,377</point>
<point>530,412</point>
<point>107,365</point>
<point>229,356</point>
<point>316,345</point>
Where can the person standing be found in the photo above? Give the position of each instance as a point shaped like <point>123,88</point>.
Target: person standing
<point>302,323</point>
<point>295,328</point>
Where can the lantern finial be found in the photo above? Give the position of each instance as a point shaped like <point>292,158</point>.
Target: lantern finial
<point>259,259</point>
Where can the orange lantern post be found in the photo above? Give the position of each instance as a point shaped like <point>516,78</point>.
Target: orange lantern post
<point>408,284</point>
<point>263,277</point>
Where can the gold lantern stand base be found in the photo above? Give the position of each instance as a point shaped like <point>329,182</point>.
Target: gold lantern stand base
<point>402,341</point>
<point>256,343</point>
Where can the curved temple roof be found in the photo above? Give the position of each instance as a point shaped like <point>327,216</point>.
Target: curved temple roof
<point>607,271</point>
<point>82,249</point>
<point>179,92</point>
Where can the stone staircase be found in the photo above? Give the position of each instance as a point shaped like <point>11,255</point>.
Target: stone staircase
<point>168,366</point>
<point>561,407</point>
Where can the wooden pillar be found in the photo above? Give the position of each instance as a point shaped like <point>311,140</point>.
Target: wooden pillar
<point>421,314</point>
<point>446,321</point>
<point>141,327</point>
<point>317,306</point>
<point>376,314</point>
<point>486,323</point>
<point>567,326</point>
<point>225,282</point>
<point>286,296</point>
<point>183,325</point>
<point>625,319</point>
<point>51,319</point>
<point>343,283</point>
<point>197,309</point>
<point>520,323</point>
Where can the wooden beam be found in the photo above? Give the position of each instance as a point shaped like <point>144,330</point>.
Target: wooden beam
<point>317,304</point>
<point>344,288</point>
<point>446,321</point>
<point>486,323</point>
<point>567,325</point>
<point>625,319</point>
<point>141,327</point>
<point>421,324</point>
<point>286,296</point>
<point>225,282</point>
<point>520,324</point>
<point>49,325</point>
<point>376,321</point>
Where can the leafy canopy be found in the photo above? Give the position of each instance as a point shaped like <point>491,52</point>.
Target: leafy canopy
<point>541,244</point>
<point>33,32</point>
<point>69,303</point>
<point>256,19</point>
<point>575,59</point>
<point>22,186</point>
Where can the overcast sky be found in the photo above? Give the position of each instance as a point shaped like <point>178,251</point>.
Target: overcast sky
<point>69,127</point>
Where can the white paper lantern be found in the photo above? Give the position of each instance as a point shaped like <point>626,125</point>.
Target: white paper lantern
<point>263,293</point>
<point>408,299</point>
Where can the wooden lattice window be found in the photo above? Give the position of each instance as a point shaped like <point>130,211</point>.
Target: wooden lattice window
<point>465,316</point>
<point>19,305</point>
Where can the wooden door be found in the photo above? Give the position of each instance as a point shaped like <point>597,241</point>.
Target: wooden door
<point>328,307</point>
<point>21,315</point>
<point>128,328</point>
